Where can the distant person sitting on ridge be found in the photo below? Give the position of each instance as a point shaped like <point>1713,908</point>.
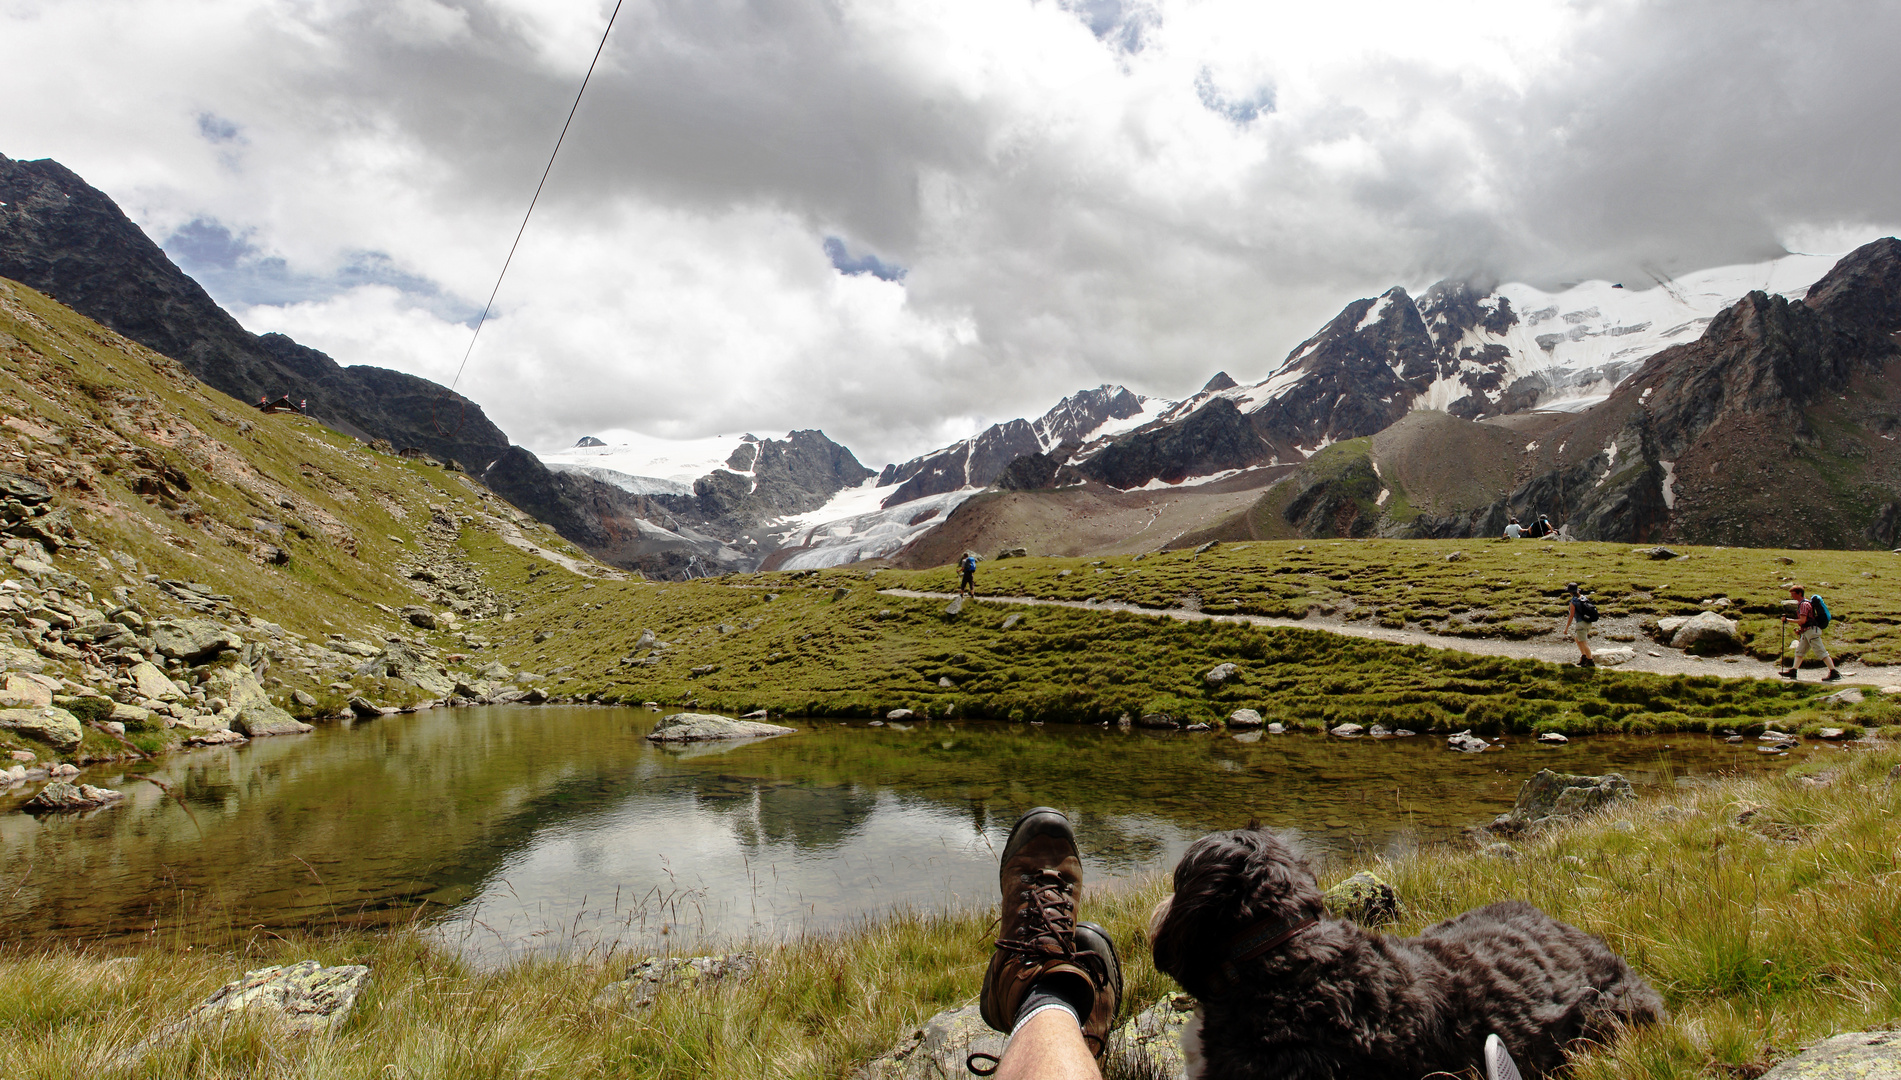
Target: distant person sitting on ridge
<point>1545,528</point>
<point>1809,621</point>
<point>1513,531</point>
<point>968,564</point>
<point>1578,624</point>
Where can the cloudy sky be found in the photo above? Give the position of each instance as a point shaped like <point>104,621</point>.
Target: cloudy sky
<point>899,221</point>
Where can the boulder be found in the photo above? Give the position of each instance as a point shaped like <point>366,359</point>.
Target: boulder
<point>1706,631</point>
<point>193,640</point>
<point>1613,657</point>
<point>47,723</point>
<point>24,692</point>
<point>248,710</point>
<point>1658,553</point>
<point>1150,1044</point>
<point>955,607</point>
<point>304,997</point>
<point>401,661</point>
<point>14,658</point>
<point>1011,622</point>
<point>217,737</point>
<point>1365,899</point>
<point>1551,797</point>
<point>900,714</point>
<point>1348,731</point>
<point>1158,720</point>
<point>1467,743</point>
<point>1850,696</point>
<point>364,707</point>
<point>944,683</point>
<point>645,641</point>
<point>419,617</point>
<point>1220,674</point>
<point>1244,718</point>
<point>27,490</point>
<point>700,727</point>
<point>1552,738</point>
<point>152,683</point>
<point>60,795</point>
<point>937,1050</point>
<point>1013,553</point>
<point>649,978</point>
<point>129,715</point>
<point>1277,729</point>
<point>1856,1055</point>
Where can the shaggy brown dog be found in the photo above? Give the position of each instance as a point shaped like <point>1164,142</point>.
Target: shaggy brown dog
<point>1287,992</point>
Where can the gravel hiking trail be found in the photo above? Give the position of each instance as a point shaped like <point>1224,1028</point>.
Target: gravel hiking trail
<point>1651,657</point>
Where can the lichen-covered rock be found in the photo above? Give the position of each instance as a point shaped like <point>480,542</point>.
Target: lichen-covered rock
<point>306,997</point>
<point>48,723</point>
<point>937,1051</point>
<point>1856,1055</point>
<point>1364,898</point>
<point>60,795</point>
<point>655,975</point>
<point>1554,796</point>
<point>699,727</point>
<point>1221,673</point>
<point>1150,1044</point>
<point>193,640</point>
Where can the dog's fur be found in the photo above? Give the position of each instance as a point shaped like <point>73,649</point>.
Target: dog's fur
<point>1336,1001</point>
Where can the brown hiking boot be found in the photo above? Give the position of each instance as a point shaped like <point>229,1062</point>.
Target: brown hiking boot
<point>1037,934</point>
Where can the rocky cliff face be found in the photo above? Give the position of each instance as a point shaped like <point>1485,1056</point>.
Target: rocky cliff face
<point>979,460</point>
<point>66,238</point>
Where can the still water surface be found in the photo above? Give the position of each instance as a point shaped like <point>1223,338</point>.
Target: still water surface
<point>511,830</point>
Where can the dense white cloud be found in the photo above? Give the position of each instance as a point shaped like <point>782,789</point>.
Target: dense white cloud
<point>1075,191</point>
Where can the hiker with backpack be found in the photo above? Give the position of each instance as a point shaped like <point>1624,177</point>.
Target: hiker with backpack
<point>968,565</point>
<point>1578,624</point>
<point>1811,618</point>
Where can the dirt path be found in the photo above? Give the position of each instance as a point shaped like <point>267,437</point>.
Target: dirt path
<point>512,536</point>
<point>1660,659</point>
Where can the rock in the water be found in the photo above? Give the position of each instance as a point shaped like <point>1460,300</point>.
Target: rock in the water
<point>1348,731</point>
<point>937,1050</point>
<point>700,727</point>
<point>1832,733</point>
<point>364,707</point>
<point>193,640</point>
<point>655,975</point>
<point>1221,673</point>
<point>60,795</point>
<point>47,723</point>
<point>1613,657</point>
<point>1552,738</point>
<point>1365,899</point>
<point>1466,742</point>
<point>248,709</point>
<point>305,997</point>
<point>900,714</point>
<point>216,737</point>
<point>259,723</point>
<point>1856,1055</point>
<point>1277,729</point>
<point>1244,718</point>
<point>400,661</point>
<point>1159,720</point>
<point>1550,797</point>
<point>1706,631</point>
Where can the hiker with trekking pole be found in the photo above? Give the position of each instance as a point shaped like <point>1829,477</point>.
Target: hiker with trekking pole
<point>1581,613</point>
<point>1810,619</point>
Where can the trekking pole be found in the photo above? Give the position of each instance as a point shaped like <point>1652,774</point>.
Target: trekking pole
<point>1782,642</point>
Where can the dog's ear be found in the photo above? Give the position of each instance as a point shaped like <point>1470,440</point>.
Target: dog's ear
<point>1157,916</point>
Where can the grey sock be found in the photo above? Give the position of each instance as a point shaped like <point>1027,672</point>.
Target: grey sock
<point>1072,992</point>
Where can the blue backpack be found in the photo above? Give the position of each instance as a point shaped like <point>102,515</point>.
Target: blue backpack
<point>1818,613</point>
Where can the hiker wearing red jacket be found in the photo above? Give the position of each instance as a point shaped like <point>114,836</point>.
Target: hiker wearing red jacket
<point>1808,636</point>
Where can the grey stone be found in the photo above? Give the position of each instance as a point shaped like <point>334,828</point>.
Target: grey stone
<point>1850,696</point>
<point>1244,718</point>
<point>1348,731</point>
<point>700,727</point>
<point>1365,898</point>
<point>1550,797</point>
<point>153,683</point>
<point>14,658</point>
<point>955,607</point>
<point>401,661</point>
<point>1467,743</point>
<point>60,795</point>
<point>247,709</point>
<point>47,723</point>
<point>1012,621</point>
<point>1277,729</point>
<point>900,714</point>
<point>305,997</point>
<point>649,978</point>
<point>1221,673</point>
<point>1706,631</point>
<point>1158,720</point>
<point>420,617</point>
<point>364,707</point>
<point>1149,1046</point>
<point>1856,1055</point>
<point>937,1051</point>
<point>944,683</point>
<point>193,640</point>
<point>1552,738</point>
<point>1613,657</point>
<point>1013,553</point>
<point>216,737</point>
<point>646,640</point>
